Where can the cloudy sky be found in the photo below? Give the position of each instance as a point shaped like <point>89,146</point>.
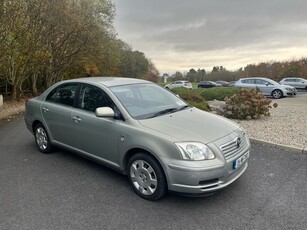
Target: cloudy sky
<point>178,35</point>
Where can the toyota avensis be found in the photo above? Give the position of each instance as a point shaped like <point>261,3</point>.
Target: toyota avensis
<point>142,130</point>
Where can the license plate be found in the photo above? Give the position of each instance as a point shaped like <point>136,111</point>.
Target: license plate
<point>238,162</point>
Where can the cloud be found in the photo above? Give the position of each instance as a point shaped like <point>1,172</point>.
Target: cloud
<point>178,35</point>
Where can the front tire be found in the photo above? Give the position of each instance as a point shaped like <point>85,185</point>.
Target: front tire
<point>42,139</point>
<point>147,177</point>
<point>277,94</point>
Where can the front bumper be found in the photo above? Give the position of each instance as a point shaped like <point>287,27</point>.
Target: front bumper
<point>201,177</point>
<point>201,180</point>
<point>292,92</point>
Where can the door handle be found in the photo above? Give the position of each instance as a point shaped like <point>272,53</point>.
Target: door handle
<point>77,119</point>
<point>45,110</point>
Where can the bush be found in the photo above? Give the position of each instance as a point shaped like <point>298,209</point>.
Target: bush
<point>247,104</point>
<point>218,93</point>
<point>192,97</point>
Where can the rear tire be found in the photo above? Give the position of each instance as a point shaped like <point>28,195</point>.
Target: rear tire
<point>42,139</point>
<point>277,94</point>
<point>147,177</point>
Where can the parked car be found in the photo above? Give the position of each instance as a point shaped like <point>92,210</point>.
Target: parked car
<point>177,84</point>
<point>208,84</point>
<point>299,83</point>
<point>223,83</point>
<point>142,130</point>
<point>232,83</point>
<point>267,87</point>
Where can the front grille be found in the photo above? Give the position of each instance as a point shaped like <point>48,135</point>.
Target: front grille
<point>233,147</point>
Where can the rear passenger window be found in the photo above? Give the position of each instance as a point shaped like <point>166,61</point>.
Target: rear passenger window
<point>248,81</point>
<point>63,94</point>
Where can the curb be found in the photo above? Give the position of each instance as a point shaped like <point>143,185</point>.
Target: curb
<point>278,146</point>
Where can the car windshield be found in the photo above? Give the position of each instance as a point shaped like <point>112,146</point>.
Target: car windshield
<point>143,101</point>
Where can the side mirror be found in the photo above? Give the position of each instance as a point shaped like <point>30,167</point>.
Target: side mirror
<point>104,112</point>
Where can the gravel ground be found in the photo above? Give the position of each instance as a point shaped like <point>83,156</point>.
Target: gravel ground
<point>287,124</point>
<point>10,110</point>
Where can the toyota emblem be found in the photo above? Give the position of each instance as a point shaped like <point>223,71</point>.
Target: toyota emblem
<point>238,142</point>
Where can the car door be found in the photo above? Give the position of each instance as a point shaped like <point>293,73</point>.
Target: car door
<point>175,84</point>
<point>264,86</point>
<point>291,81</point>
<point>300,83</point>
<point>250,83</point>
<point>56,111</point>
<point>97,136</point>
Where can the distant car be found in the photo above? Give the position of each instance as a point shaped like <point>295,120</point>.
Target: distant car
<point>177,84</point>
<point>223,83</point>
<point>232,83</point>
<point>299,83</point>
<point>267,87</point>
<point>143,131</point>
<point>208,84</point>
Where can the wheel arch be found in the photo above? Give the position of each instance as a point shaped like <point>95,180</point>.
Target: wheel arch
<point>134,151</point>
<point>36,122</point>
<point>281,91</point>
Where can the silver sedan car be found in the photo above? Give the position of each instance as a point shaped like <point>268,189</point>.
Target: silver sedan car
<point>267,87</point>
<point>299,83</point>
<point>142,130</point>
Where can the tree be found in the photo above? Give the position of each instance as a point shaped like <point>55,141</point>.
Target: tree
<point>177,76</point>
<point>15,47</point>
<point>47,39</point>
<point>133,64</point>
<point>152,74</point>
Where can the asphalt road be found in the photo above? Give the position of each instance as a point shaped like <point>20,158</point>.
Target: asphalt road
<point>65,191</point>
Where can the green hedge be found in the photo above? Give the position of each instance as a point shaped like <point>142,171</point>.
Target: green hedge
<point>241,103</point>
<point>218,93</point>
<point>192,97</point>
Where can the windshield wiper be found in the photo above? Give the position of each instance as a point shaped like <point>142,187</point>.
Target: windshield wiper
<point>170,110</point>
<point>162,112</point>
<point>183,107</point>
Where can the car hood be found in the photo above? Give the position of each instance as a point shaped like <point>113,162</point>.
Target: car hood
<point>191,125</point>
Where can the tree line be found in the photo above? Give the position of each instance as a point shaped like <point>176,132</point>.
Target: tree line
<point>274,70</point>
<point>45,41</point>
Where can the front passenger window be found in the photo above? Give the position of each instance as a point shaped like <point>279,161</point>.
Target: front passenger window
<point>92,98</point>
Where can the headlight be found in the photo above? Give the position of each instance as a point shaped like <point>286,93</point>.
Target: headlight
<point>195,151</point>
<point>289,89</point>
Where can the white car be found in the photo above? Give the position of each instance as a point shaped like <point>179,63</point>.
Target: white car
<point>267,87</point>
<point>297,82</point>
<point>177,84</point>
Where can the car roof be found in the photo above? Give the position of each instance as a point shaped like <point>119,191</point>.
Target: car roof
<point>292,78</point>
<point>109,81</point>
<point>262,78</point>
